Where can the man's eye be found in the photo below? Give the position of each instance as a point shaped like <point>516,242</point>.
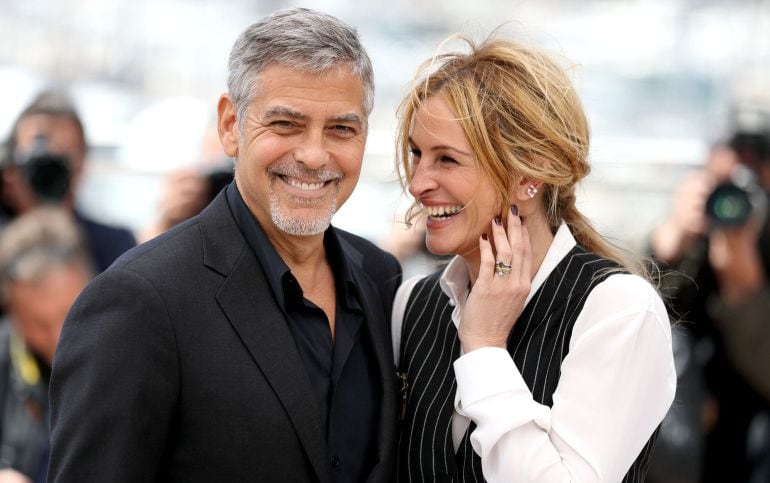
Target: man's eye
<point>282,124</point>
<point>344,130</point>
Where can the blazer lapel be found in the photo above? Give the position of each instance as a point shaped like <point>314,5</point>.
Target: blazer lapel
<point>249,305</point>
<point>376,329</point>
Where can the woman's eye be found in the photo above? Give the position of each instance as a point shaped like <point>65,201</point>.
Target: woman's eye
<point>415,152</point>
<point>448,160</point>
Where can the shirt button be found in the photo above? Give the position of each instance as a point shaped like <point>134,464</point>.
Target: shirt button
<point>335,462</point>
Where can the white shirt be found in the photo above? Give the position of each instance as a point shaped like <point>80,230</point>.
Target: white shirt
<point>617,383</point>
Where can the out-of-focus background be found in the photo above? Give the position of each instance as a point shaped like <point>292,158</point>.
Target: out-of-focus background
<point>662,81</point>
<point>657,77</point>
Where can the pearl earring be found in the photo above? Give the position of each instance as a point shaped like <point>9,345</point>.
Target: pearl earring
<point>531,191</point>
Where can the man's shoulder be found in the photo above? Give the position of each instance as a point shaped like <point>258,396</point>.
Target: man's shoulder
<point>369,253</point>
<point>213,231</point>
<point>178,246</point>
<point>359,242</point>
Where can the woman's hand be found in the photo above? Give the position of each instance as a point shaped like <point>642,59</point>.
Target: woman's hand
<point>497,298</point>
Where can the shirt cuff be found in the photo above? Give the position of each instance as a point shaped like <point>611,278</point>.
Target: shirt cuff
<point>486,372</point>
<point>488,381</point>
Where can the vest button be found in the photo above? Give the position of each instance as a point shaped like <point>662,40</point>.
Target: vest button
<point>335,462</point>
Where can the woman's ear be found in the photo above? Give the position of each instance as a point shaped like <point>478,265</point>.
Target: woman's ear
<point>227,125</point>
<point>526,189</point>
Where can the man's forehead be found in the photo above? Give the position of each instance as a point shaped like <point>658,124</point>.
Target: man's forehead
<point>279,85</point>
<point>45,124</point>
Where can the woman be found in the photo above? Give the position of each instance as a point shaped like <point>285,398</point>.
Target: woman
<point>536,354</point>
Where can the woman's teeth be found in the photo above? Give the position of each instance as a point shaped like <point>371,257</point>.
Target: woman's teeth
<point>442,212</point>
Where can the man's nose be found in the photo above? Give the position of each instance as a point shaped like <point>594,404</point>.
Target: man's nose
<point>313,150</point>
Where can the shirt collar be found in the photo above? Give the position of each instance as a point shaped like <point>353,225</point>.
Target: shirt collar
<point>275,269</point>
<point>272,264</point>
<point>455,280</point>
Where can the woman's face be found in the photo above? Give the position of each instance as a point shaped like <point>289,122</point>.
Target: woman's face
<point>458,198</point>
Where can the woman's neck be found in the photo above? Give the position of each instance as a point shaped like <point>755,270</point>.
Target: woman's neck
<point>540,237</point>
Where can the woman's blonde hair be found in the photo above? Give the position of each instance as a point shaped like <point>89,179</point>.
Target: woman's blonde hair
<point>523,120</point>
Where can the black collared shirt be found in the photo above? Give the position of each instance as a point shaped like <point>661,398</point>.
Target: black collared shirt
<point>342,370</point>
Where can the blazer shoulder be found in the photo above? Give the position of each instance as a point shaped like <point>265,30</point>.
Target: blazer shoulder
<point>181,245</point>
<point>369,253</point>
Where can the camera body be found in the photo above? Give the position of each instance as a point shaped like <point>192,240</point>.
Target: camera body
<point>47,174</point>
<point>734,202</point>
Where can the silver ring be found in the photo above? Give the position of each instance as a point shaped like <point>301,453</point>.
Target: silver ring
<point>502,268</point>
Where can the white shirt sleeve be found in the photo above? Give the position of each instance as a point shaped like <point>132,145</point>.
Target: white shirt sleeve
<point>399,310</point>
<point>617,383</point>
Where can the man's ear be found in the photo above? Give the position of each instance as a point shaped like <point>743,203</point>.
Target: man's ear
<point>227,125</point>
<point>526,189</point>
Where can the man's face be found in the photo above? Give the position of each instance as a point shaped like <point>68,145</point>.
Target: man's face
<point>38,309</point>
<point>62,135</point>
<point>299,149</point>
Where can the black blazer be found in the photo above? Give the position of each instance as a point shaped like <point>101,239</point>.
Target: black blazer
<point>176,364</point>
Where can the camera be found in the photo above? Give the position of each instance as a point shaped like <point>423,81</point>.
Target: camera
<point>46,173</point>
<point>742,197</point>
<point>734,202</point>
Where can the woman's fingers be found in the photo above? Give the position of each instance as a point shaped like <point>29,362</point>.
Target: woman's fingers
<point>487,258</point>
<point>502,245</point>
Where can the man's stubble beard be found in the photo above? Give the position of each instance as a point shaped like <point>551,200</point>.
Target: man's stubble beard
<point>298,226</point>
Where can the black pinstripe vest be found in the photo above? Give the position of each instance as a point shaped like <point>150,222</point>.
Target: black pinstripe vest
<point>429,346</point>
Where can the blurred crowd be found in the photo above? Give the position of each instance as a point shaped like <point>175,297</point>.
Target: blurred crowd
<point>712,249</point>
<point>49,251</point>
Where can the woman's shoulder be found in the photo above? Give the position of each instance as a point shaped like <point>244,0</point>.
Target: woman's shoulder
<point>625,295</point>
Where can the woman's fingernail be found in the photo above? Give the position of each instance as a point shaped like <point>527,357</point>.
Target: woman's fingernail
<point>498,221</point>
<point>484,236</point>
<point>515,210</point>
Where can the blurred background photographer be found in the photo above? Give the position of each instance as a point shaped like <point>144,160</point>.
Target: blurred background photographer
<point>714,250</point>
<point>43,165</point>
<point>185,192</point>
<point>43,267</point>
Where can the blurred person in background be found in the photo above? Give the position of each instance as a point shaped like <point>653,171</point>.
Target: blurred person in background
<point>44,163</point>
<point>43,267</point>
<point>714,246</point>
<point>184,193</point>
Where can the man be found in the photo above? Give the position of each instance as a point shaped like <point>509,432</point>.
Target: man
<point>47,150</point>
<point>249,343</point>
<point>43,267</point>
<point>718,283</point>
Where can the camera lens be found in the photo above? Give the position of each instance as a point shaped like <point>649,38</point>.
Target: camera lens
<point>729,205</point>
<point>48,176</point>
<point>46,173</point>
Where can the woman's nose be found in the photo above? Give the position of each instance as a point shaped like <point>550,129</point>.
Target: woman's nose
<point>423,180</point>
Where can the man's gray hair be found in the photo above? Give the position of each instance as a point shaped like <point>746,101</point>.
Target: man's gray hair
<point>300,39</point>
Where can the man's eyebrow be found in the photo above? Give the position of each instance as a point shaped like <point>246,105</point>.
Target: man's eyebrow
<point>282,111</point>
<point>350,117</point>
